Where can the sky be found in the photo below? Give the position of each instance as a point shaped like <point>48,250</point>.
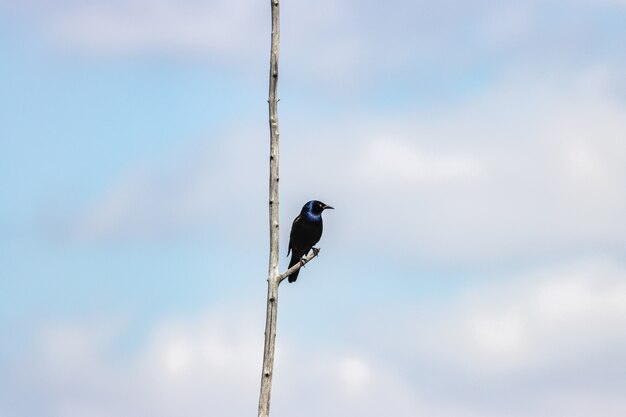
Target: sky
<point>475,152</point>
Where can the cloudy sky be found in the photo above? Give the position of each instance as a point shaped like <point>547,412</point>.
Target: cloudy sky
<point>475,151</point>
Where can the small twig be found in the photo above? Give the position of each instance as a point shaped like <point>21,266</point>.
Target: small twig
<point>297,266</point>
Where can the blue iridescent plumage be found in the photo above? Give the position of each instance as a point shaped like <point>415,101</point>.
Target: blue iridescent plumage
<point>306,231</point>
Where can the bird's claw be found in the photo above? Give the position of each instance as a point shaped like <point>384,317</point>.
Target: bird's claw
<point>316,251</point>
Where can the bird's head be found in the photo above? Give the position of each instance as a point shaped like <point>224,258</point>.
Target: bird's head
<point>316,207</point>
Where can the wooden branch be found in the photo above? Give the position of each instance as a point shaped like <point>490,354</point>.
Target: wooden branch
<point>268,351</point>
<point>297,266</point>
<point>274,278</point>
<point>274,136</point>
<point>273,275</point>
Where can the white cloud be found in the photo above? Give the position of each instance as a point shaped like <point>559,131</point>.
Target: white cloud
<point>522,347</point>
<point>569,316</point>
<point>388,160</point>
<point>337,44</point>
<point>354,374</point>
<point>206,186</point>
<point>185,367</point>
<point>497,336</point>
<point>526,169</point>
<point>218,27</point>
<point>191,367</point>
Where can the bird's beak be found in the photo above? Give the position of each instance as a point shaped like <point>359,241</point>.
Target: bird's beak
<point>328,207</point>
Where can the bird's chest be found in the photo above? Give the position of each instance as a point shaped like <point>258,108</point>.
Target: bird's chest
<point>307,232</point>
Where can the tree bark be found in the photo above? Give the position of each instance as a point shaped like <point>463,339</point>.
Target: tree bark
<point>272,279</point>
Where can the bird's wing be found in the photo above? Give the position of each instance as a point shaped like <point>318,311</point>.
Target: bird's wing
<point>293,226</point>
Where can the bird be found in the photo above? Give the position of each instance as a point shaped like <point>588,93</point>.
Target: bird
<point>306,231</point>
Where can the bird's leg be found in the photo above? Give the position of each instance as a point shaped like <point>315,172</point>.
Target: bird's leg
<point>316,251</point>
<point>302,263</point>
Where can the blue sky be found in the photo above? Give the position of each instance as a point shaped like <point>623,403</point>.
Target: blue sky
<point>475,153</point>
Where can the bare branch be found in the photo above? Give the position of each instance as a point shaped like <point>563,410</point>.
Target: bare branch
<point>272,278</point>
<point>297,266</point>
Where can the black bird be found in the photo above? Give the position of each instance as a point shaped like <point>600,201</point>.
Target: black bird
<point>306,231</point>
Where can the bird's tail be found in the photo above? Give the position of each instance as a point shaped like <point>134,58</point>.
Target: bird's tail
<point>294,260</point>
